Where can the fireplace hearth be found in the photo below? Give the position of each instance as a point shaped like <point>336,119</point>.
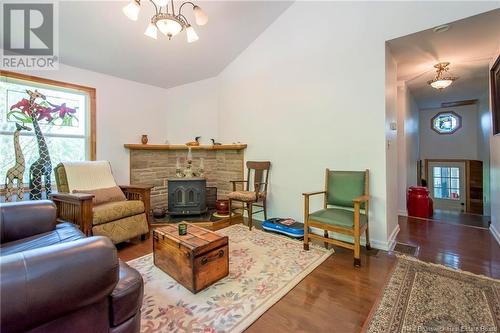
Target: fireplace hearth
<point>187,196</point>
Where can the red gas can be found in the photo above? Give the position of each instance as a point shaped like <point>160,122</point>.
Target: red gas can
<point>418,202</point>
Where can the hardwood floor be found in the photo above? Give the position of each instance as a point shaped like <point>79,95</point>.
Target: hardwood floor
<point>457,246</point>
<point>336,297</point>
<point>471,220</point>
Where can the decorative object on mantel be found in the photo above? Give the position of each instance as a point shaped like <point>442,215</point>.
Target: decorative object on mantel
<point>144,139</point>
<point>194,143</point>
<point>138,146</point>
<point>17,171</point>
<point>188,171</point>
<point>215,143</point>
<point>166,20</point>
<point>440,81</point>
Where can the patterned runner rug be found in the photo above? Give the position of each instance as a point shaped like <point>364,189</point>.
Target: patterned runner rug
<point>424,297</point>
<point>263,267</point>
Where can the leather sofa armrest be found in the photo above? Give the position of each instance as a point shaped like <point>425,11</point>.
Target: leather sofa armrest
<point>38,286</point>
<point>25,219</point>
<point>126,298</point>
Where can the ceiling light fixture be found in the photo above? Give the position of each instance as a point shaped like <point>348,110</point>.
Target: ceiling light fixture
<point>441,81</point>
<point>167,20</point>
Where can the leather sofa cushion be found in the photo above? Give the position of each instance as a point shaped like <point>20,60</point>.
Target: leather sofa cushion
<point>64,232</point>
<point>126,298</point>
<point>337,217</point>
<point>245,195</point>
<point>113,211</point>
<point>104,195</point>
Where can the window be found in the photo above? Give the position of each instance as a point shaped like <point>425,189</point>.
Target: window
<point>446,183</point>
<point>446,122</point>
<point>66,119</point>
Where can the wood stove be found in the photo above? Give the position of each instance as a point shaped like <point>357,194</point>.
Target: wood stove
<point>187,196</point>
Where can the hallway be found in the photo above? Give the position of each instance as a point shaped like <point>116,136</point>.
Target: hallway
<point>456,246</point>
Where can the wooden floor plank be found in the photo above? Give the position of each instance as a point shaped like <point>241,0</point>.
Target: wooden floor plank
<point>336,297</point>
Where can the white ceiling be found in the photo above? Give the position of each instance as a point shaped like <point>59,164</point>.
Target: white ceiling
<point>98,37</point>
<point>468,45</point>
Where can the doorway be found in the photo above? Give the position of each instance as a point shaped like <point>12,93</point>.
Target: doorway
<point>447,185</point>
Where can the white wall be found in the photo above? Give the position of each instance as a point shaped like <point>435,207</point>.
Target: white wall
<point>192,110</point>
<point>125,110</point>
<point>311,96</point>
<point>463,144</point>
<point>484,120</point>
<point>495,177</point>
<point>408,144</point>
<point>391,147</point>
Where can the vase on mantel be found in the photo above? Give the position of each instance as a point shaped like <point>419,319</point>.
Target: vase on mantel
<point>144,139</point>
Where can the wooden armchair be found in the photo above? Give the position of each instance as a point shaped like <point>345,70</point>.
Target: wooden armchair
<point>345,210</point>
<point>119,220</point>
<point>256,195</point>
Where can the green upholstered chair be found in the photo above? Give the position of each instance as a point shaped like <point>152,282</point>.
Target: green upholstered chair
<point>345,210</point>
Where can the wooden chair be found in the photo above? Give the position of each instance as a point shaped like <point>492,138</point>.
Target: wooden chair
<point>258,175</point>
<point>345,210</point>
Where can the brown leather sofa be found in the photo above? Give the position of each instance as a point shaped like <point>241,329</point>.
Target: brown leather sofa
<point>54,279</point>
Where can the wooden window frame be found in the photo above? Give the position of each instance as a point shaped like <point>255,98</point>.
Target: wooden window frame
<point>88,90</point>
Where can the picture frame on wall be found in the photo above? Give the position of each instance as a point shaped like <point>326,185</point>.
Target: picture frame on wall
<point>495,96</point>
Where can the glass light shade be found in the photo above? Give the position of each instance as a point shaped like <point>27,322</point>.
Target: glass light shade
<point>169,27</point>
<point>132,10</point>
<point>151,31</point>
<point>161,3</point>
<point>192,36</point>
<point>441,84</point>
<point>200,16</point>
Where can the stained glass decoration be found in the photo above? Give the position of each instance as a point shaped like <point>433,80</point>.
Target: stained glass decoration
<point>446,122</point>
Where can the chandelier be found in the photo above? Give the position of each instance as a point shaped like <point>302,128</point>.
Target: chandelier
<point>166,20</point>
<point>441,80</point>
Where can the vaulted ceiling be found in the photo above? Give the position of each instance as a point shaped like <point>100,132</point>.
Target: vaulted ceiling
<point>469,45</point>
<point>95,35</point>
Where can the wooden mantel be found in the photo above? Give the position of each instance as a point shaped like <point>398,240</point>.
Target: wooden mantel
<point>133,146</point>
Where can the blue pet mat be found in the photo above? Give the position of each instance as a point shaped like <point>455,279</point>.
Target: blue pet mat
<point>295,230</point>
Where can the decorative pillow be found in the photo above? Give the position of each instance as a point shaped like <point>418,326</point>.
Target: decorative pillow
<point>104,195</point>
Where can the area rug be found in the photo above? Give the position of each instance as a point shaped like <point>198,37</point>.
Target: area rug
<point>425,297</point>
<point>263,267</point>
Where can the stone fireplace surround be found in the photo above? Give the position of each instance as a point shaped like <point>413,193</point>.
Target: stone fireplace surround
<point>154,164</point>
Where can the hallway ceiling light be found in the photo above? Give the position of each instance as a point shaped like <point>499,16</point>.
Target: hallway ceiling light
<point>441,80</point>
<point>166,19</point>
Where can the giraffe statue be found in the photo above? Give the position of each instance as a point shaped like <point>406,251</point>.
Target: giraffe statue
<point>42,166</point>
<point>17,171</point>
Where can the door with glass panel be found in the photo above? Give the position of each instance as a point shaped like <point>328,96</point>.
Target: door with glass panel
<point>447,185</point>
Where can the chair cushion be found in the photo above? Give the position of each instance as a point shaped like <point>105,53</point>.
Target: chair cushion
<point>88,175</point>
<point>245,195</point>
<point>337,217</point>
<point>344,186</point>
<point>104,195</point>
<point>112,211</point>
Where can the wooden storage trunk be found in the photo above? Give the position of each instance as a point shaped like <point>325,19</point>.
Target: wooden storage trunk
<point>195,260</point>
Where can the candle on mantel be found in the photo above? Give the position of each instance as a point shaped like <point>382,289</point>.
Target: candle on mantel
<point>190,154</point>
